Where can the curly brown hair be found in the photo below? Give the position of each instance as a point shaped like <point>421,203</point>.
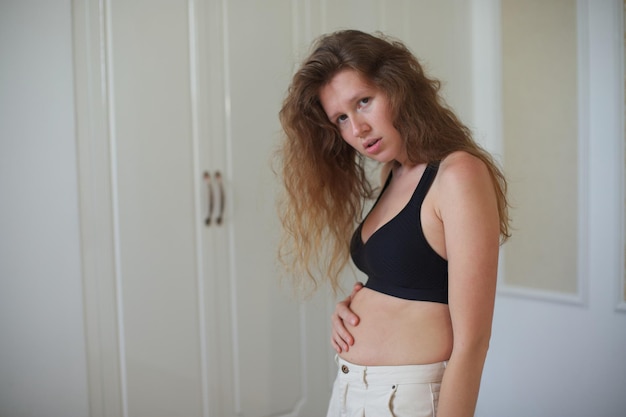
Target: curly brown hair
<point>324,178</point>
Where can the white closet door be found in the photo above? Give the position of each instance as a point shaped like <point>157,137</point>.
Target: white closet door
<point>279,349</point>
<point>186,319</point>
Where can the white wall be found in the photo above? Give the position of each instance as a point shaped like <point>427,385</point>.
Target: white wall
<point>42,347</point>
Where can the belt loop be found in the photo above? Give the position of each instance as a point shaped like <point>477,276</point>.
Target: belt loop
<point>364,376</point>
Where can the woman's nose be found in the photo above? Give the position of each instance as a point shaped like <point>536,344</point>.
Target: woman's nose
<point>359,126</point>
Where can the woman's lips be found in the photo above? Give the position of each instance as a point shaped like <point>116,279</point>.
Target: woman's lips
<point>372,146</point>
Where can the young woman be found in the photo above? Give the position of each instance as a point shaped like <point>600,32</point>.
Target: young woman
<point>413,341</point>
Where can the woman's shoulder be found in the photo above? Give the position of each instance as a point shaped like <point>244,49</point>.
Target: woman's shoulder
<point>461,172</point>
<point>462,165</point>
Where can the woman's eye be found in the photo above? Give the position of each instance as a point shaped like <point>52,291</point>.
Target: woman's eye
<point>364,101</point>
<point>342,119</point>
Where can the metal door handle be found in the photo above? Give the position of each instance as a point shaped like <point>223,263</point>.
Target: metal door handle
<point>220,216</point>
<point>207,180</point>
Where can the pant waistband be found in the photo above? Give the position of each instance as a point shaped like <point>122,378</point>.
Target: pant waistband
<point>400,374</point>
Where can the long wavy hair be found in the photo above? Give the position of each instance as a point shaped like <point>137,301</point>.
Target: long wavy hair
<point>325,182</point>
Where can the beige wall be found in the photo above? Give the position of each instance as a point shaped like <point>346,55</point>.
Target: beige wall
<point>539,44</point>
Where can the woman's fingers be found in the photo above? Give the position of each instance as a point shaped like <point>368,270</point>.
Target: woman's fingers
<point>341,339</point>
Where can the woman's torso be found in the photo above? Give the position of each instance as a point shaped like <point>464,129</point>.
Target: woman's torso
<point>391,330</point>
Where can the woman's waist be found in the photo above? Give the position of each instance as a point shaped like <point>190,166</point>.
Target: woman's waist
<point>392,331</point>
<point>375,346</point>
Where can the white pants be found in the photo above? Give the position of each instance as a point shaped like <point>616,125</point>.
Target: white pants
<point>386,391</point>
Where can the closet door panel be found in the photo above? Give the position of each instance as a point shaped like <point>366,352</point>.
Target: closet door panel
<point>152,154</point>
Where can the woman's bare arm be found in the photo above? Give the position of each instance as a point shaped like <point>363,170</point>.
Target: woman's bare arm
<point>468,209</point>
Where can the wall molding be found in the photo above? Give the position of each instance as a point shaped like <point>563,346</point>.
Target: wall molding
<point>98,238</point>
<point>620,15</point>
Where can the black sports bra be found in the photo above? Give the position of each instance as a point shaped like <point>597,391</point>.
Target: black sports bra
<point>397,258</point>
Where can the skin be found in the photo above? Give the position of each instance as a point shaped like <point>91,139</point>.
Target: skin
<point>460,221</point>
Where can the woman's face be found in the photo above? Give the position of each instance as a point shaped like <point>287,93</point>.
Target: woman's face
<point>362,114</point>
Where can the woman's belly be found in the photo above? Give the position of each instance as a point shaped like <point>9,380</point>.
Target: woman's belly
<point>393,331</point>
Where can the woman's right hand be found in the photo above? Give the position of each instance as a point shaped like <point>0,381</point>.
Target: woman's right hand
<point>341,339</point>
